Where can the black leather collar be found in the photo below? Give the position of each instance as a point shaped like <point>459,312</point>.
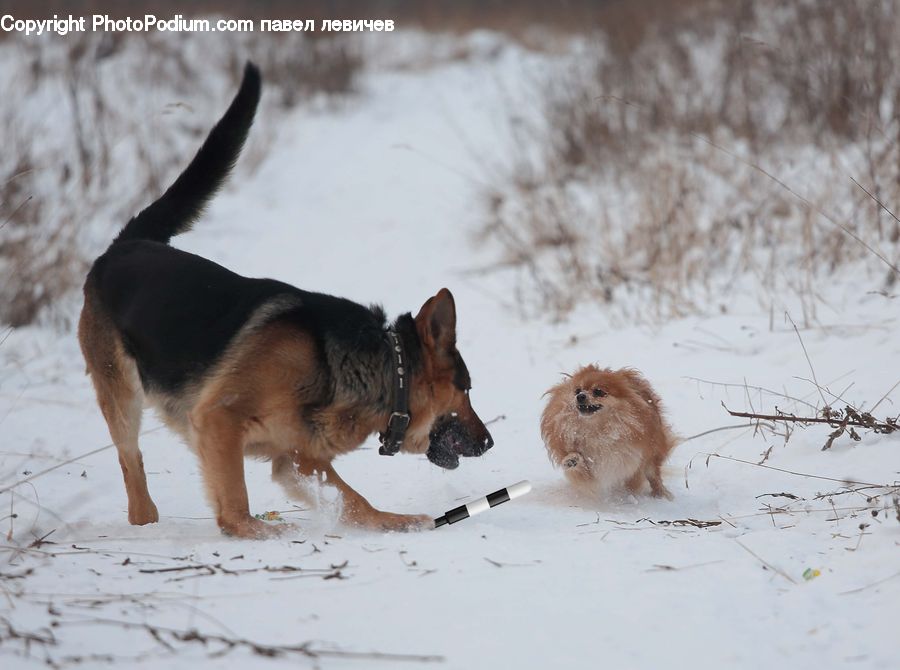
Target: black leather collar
<point>392,438</point>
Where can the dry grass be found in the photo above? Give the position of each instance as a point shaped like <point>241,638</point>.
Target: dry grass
<point>100,125</point>
<point>647,178</point>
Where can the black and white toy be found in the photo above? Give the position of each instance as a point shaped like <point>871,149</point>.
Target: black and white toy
<point>482,504</point>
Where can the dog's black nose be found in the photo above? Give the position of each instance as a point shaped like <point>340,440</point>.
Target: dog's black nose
<point>480,445</point>
<point>581,398</point>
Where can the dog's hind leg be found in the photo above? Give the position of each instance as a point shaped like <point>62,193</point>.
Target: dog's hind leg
<point>285,473</point>
<point>635,483</point>
<point>218,437</point>
<point>121,400</point>
<point>657,488</point>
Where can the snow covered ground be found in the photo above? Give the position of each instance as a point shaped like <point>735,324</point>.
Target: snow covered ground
<point>377,201</point>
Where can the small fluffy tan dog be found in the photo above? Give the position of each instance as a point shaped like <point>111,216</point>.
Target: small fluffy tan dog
<point>606,429</point>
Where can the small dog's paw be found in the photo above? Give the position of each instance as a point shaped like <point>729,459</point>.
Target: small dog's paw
<point>572,460</point>
<point>661,491</point>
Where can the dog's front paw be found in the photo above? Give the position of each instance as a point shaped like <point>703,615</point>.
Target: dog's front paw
<point>402,523</point>
<point>573,460</point>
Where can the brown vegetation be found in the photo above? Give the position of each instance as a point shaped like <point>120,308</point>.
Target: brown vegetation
<point>665,149</point>
<point>100,123</point>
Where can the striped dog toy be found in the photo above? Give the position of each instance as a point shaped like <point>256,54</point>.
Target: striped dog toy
<point>482,504</point>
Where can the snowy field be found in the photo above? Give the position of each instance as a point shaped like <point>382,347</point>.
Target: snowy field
<point>378,200</point>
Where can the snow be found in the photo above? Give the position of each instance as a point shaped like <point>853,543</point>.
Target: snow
<point>378,201</point>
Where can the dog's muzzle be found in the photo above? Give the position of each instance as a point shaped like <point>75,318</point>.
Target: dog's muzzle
<point>581,402</point>
<point>450,439</point>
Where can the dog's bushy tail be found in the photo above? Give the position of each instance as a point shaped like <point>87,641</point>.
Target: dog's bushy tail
<point>184,201</point>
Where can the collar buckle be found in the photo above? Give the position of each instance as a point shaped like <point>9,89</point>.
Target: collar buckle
<point>392,438</point>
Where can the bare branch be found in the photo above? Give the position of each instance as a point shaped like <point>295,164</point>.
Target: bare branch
<point>880,204</point>
<point>169,637</point>
<point>843,421</point>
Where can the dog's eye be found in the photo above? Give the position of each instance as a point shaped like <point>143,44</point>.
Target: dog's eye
<point>598,393</point>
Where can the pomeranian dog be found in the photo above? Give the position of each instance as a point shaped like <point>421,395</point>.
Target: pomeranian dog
<point>606,429</point>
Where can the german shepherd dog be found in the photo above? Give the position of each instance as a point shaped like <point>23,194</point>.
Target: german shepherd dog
<point>256,367</point>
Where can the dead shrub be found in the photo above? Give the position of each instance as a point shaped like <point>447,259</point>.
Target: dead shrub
<point>97,130</point>
<point>644,179</point>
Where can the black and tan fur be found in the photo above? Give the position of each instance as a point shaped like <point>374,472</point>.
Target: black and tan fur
<point>255,367</point>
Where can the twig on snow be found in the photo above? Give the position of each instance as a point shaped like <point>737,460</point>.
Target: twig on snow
<point>170,637</point>
<point>765,563</point>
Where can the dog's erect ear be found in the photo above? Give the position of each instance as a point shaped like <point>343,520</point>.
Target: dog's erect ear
<point>436,322</point>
